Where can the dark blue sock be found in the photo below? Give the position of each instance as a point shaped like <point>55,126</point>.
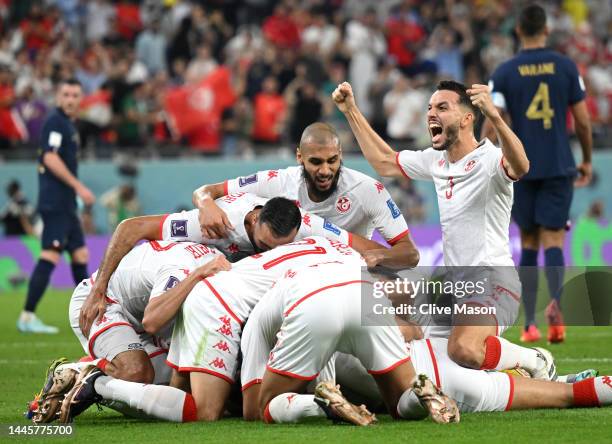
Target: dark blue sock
<point>38,283</point>
<point>528,273</point>
<point>79,272</point>
<point>554,261</point>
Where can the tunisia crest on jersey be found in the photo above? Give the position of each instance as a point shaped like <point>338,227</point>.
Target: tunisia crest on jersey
<point>343,205</point>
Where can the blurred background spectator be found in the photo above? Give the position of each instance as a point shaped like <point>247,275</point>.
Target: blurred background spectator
<point>17,216</point>
<point>138,59</point>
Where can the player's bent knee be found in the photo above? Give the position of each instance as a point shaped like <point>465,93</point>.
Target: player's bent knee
<point>128,367</point>
<point>466,353</point>
<point>209,413</point>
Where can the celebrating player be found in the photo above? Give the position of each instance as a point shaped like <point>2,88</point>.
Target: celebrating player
<point>536,88</point>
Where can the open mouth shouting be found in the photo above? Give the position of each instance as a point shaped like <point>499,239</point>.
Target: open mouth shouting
<point>435,130</point>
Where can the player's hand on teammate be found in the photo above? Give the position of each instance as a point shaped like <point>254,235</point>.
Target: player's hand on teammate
<point>93,308</point>
<point>481,98</point>
<point>214,223</point>
<point>220,263</point>
<point>585,174</point>
<point>373,257</point>
<point>343,97</point>
<point>85,194</point>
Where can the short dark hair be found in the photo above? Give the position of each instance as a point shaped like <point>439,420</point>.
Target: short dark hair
<point>464,99</point>
<point>532,20</point>
<point>72,81</point>
<point>13,187</point>
<point>282,215</point>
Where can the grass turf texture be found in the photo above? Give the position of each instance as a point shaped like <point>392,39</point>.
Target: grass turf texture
<point>24,359</point>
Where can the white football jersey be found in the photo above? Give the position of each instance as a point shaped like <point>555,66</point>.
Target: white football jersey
<point>186,226</point>
<point>150,269</point>
<point>474,198</point>
<point>360,204</point>
<point>249,279</point>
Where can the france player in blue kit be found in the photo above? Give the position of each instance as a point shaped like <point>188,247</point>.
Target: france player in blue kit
<point>536,88</point>
<point>58,188</point>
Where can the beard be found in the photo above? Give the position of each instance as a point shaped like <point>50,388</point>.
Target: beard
<point>311,184</point>
<point>452,132</point>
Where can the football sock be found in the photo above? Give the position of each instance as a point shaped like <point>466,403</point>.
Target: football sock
<point>79,272</point>
<point>409,406</point>
<point>38,283</point>
<point>528,273</point>
<point>501,354</point>
<point>554,261</point>
<point>291,407</point>
<point>593,392</point>
<point>158,401</point>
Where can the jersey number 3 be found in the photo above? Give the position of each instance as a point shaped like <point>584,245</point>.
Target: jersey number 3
<point>539,108</point>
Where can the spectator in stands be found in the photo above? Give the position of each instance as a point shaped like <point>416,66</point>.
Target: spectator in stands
<point>121,203</point>
<point>404,106</point>
<point>306,108</point>
<point>98,18</point>
<point>202,65</point>
<point>17,215</point>
<point>269,113</point>
<point>151,48</point>
<point>31,110</point>
<point>281,29</point>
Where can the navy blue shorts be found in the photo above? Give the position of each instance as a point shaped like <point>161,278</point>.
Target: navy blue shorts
<point>543,202</point>
<point>61,231</point>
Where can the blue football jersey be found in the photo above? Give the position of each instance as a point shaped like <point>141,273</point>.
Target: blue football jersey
<point>536,88</point>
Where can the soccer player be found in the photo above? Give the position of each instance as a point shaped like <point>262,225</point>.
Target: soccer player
<point>473,182</point>
<point>58,188</point>
<point>322,186</point>
<point>536,88</point>
<point>130,341</point>
<point>261,224</point>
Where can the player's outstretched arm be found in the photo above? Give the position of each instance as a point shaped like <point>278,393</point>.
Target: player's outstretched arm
<point>214,223</point>
<point>125,237</point>
<point>404,254</point>
<point>514,153</point>
<point>162,309</point>
<point>585,136</point>
<point>380,155</point>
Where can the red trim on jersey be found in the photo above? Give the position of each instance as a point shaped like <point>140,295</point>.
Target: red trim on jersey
<point>190,411</point>
<point>388,369</point>
<point>399,237</point>
<point>312,293</point>
<point>501,162</point>
<point>86,358</point>
<point>225,188</point>
<point>157,247</point>
<point>90,343</point>
<point>267,417</point>
<point>515,296</point>
<point>291,375</point>
<point>511,395</point>
<point>205,370</point>
<point>218,296</point>
<point>171,365</point>
<point>161,351</point>
<point>350,239</point>
<point>102,363</point>
<point>400,166</point>
<point>160,234</point>
<point>435,363</point>
<point>251,383</point>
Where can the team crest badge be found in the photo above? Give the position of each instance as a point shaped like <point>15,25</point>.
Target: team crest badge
<point>343,205</point>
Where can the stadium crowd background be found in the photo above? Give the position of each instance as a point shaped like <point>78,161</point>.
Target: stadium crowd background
<point>270,64</point>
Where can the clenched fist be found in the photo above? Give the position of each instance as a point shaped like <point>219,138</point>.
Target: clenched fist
<point>343,97</point>
<point>480,96</point>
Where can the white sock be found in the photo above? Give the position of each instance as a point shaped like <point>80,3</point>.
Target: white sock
<point>502,354</point>
<point>158,401</point>
<point>409,406</point>
<point>291,407</point>
<point>603,388</point>
<point>26,316</point>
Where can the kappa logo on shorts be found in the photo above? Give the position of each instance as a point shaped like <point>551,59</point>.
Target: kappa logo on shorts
<point>178,228</point>
<point>272,174</point>
<point>172,282</point>
<point>306,219</point>
<point>135,346</point>
<point>331,227</point>
<point>343,205</point>
<point>226,328</point>
<point>218,363</point>
<point>247,180</point>
<point>395,211</point>
<point>103,319</point>
<point>222,345</point>
<point>379,187</point>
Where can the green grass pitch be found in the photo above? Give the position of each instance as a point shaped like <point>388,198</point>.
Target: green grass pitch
<point>24,359</point>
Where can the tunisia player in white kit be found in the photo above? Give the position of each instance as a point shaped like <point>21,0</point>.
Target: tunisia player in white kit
<point>473,182</point>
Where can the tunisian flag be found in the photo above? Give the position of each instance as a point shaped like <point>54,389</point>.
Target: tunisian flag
<point>194,111</point>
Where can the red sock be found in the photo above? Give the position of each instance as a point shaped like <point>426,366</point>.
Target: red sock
<point>492,353</point>
<point>102,363</point>
<point>585,394</point>
<point>190,412</point>
<point>267,417</point>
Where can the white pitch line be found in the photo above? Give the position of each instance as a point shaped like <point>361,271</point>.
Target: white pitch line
<point>584,360</point>
<point>36,344</point>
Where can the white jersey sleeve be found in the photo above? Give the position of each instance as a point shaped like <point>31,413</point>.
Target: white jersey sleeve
<point>313,225</point>
<point>495,164</point>
<point>266,183</point>
<point>383,212</point>
<point>183,226</point>
<point>416,164</point>
<point>168,277</point>
<point>259,337</point>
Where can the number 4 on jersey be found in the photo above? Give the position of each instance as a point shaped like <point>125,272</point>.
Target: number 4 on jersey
<point>539,108</point>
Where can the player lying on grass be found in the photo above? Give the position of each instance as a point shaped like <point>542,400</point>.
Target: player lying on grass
<point>321,185</point>
<point>260,224</point>
<point>308,317</point>
<point>474,184</point>
<point>130,341</point>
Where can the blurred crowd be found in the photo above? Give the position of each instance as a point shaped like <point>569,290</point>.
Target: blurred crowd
<point>147,66</point>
